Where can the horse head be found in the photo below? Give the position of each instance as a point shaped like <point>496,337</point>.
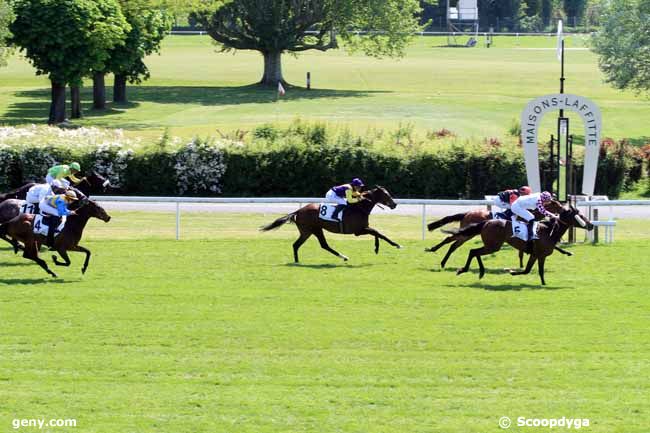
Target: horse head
<point>98,182</point>
<point>571,216</point>
<point>381,195</point>
<point>92,209</point>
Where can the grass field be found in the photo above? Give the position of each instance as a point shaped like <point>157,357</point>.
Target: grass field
<point>221,333</point>
<point>472,92</point>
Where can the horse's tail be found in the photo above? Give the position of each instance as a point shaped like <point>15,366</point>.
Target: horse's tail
<point>467,231</point>
<point>279,222</point>
<point>446,220</point>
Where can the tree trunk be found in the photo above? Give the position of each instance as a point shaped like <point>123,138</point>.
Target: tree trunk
<point>75,102</point>
<point>272,69</point>
<point>57,106</point>
<point>119,89</point>
<point>99,91</point>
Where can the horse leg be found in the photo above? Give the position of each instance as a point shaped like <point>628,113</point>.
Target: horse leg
<point>377,234</point>
<point>540,267</point>
<point>445,241</point>
<point>565,252</point>
<point>450,251</point>
<point>14,243</point>
<point>64,255</point>
<point>529,266</point>
<point>80,249</point>
<point>478,252</point>
<point>465,268</point>
<point>323,244</point>
<point>304,235</point>
<point>521,259</point>
<point>31,253</point>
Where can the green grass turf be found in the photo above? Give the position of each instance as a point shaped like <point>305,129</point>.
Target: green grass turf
<point>472,92</point>
<point>221,333</point>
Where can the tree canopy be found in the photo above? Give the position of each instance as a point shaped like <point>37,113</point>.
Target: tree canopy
<point>148,27</point>
<point>623,44</point>
<point>66,39</point>
<point>6,16</point>
<point>273,27</point>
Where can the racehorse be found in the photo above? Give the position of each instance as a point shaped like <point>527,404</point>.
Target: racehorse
<point>93,183</point>
<point>355,221</point>
<point>495,232</point>
<point>474,217</point>
<point>21,228</point>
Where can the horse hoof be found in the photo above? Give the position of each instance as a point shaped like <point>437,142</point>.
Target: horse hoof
<point>569,254</point>
<point>399,247</point>
<point>460,271</point>
<point>345,258</point>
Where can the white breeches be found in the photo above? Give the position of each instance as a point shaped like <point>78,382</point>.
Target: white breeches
<point>59,183</point>
<point>37,193</point>
<point>47,209</point>
<point>522,212</point>
<point>332,197</point>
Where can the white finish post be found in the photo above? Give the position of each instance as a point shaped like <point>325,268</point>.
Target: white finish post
<point>178,220</point>
<point>424,221</point>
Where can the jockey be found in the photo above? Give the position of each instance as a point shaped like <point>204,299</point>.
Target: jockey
<point>505,199</point>
<point>345,194</point>
<point>524,204</point>
<point>37,193</point>
<point>56,176</point>
<point>56,206</point>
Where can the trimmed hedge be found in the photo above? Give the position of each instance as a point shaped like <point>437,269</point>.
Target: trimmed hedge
<point>304,163</point>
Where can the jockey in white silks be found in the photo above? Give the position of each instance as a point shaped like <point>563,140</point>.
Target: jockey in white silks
<point>524,204</point>
<point>38,192</point>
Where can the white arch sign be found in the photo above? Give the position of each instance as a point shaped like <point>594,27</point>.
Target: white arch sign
<point>531,118</point>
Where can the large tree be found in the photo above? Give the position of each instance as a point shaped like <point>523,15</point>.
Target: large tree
<point>274,27</point>
<point>623,44</point>
<point>66,39</point>
<point>6,17</point>
<point>148,26</point>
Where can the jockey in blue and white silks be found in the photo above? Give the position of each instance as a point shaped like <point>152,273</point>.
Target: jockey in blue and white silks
<point>345,194</point>
<point>505,199</point>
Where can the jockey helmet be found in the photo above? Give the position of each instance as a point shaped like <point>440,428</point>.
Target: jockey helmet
<point>357,182</point>
<point>546,196</point>
<point>70,195</point>
<point>75,166</point>
<point>525,190</point>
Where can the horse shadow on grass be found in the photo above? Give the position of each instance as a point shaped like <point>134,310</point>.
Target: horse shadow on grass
<point>31,111</point>
<point>32,281</point>
<point>327,265</point>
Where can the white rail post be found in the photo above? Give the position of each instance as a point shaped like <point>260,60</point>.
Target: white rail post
<point>178,220</point>
<point>424,221</point>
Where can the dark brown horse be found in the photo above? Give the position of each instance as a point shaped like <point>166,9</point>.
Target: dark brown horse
<point>21,228</point>
<point>495,232</point>
<point>474,217</point>
<point>92,183</point>
<point>355,221</point>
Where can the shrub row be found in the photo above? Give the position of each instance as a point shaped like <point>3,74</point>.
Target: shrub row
<point>291,167</point>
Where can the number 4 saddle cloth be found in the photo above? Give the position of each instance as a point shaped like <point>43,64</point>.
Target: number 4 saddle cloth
<point>41,224</point>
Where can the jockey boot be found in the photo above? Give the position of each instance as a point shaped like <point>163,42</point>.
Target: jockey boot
<point>532,234</point>
<point>337,211</point>
<point>52,224</point>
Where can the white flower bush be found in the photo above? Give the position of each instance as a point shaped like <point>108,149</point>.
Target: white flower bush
<point>37,148</point>
<point>199,167</point>
<point>111,161</point>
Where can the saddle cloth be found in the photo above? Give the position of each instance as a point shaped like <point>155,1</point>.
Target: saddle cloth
<point>325,211</point>
<point>41,228</point>
<point>28,208</point>
<point>520,230</point>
